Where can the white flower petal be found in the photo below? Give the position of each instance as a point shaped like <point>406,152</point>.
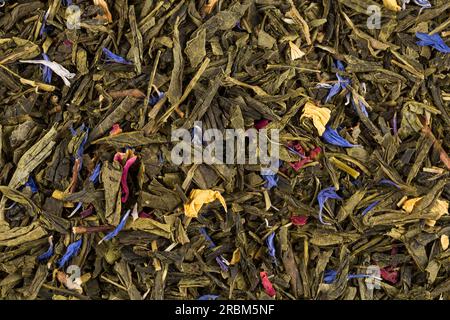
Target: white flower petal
<point>56,68</point>
<point>135,213</point>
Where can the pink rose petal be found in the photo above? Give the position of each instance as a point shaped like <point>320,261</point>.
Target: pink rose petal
<point>389,274</point>
<point>123,180</point>
<point>299,220</point>
<point>261,124</point>
<point>268,287</point>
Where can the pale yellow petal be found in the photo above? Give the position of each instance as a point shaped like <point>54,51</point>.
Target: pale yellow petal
<point>319,116</point>
<point>236,257</point>
<point>392,5</point>
<point>440,208</point>
<point>408,205</point>
<point>198,198</point>
<point>296,53</point>
<point>444,242</point>
<point>60,195</point>
<point>102,4</point>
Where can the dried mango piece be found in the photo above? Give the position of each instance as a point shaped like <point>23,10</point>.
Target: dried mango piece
<point>198,198</point>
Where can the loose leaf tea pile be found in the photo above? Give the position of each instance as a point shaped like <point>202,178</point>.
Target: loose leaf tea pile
<point>93,207</point>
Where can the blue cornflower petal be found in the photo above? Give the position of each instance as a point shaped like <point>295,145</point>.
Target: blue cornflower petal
<point>78,207</point>
<point>208,297</point>
<point>358,276</point>
<point>270,176</point>
<point>344,82</point>
<point>79,153</point>
<point>72,250</point>
<point>206,235</point>
<point>66,3</point>
<point>160,158</point>
<point>329,276</point>
<point>362,106</point>
<point>271,181</point>
<point>357,183</point>
<point>434,41</point>
<point>82,144</point>
<point>271,245</point>
<point>155,100</point>
<point>221,261</point>
<point>32,185</point>
<point>296,152</point>
<point>119,227</point>
<point>44,22</point>
<point>389,183</point>
<point>340,65</point>
<point>323,196</point>
<point>335,89</point>
<point>96,173</point>
<point>47,254</point>
<point>331,136</point>
<point>46,71</point>
<point>114,57</point>
<point>423,3</point>
<point>370,207</point>
<point>340,85</point>
<point>238,26</point>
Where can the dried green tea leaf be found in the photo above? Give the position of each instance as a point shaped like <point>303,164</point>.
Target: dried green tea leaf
<point>195,48</point>
<point>111,175</point>
<point>19,235</point>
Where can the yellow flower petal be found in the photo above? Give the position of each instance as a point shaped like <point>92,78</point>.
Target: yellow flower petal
<point>444,242</point>
<point>60,195</point>
<point>296,53</point>
<point>392,5</point>
<point>236,257</point>
<point>439,209</point>
<point>320,116</point>
<point>408,205</point>
<point>102,4</point>
<point>198,198</point>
